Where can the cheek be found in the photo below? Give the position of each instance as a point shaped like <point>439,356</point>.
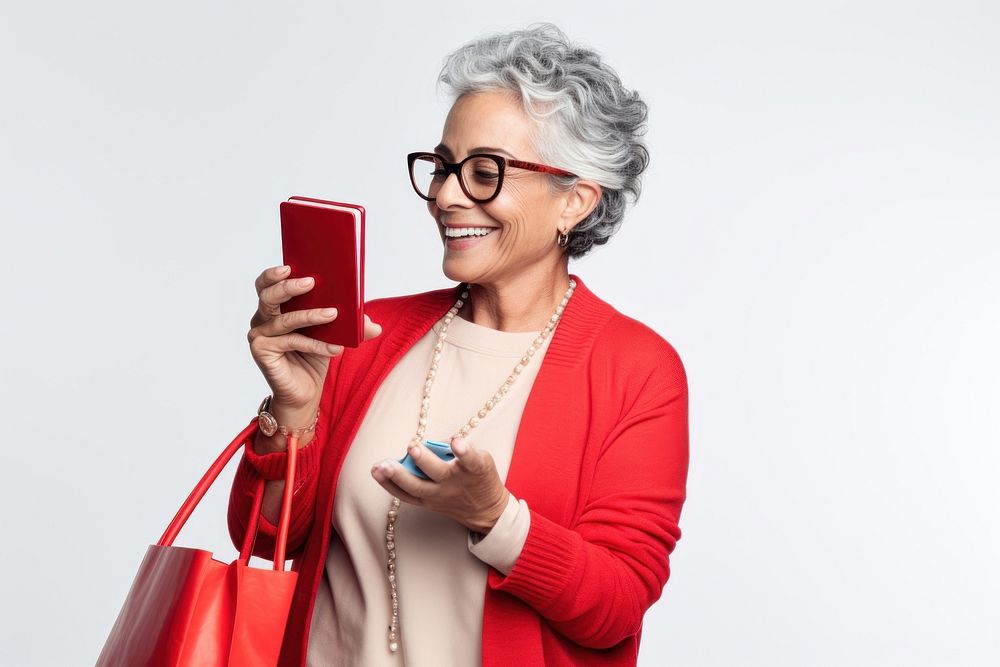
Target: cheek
<point>525,214</point>
<point>511,213</point>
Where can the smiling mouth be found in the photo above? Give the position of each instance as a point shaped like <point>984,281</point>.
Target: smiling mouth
<point>466,232</point>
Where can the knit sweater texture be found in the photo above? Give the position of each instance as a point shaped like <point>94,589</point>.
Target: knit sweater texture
<point>601,457</point>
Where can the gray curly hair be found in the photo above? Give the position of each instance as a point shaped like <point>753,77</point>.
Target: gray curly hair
<point>589,123</point>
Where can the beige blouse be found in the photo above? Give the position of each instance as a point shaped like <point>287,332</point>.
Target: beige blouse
<point>441,572</point>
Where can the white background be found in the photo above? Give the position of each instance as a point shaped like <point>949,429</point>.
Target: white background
<point>817,237</point>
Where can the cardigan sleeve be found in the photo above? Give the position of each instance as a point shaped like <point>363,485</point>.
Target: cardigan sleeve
<point>593,581</point>
<point>271,467</point>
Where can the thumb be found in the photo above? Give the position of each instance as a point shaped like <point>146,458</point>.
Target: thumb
<point>465,453</point>
<point>371,329</point>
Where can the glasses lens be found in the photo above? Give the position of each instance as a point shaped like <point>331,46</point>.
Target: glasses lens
<point>428,175</point>
<point>481,176</point>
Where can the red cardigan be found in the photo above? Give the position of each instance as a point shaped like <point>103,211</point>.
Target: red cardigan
<point>601,457</point>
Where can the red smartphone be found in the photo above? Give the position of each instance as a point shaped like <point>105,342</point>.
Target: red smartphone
<point>326,240</point>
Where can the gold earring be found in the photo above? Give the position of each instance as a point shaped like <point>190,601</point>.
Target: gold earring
<point>562,239</point>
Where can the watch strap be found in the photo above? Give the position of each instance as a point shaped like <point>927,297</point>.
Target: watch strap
<point>269,424</point>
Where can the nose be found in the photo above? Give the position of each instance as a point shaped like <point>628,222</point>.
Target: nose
<point>450,194</point>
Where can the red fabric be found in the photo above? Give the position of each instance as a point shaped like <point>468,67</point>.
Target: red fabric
<point>601,457</point>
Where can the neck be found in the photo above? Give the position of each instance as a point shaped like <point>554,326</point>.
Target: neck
<point>524,303</point>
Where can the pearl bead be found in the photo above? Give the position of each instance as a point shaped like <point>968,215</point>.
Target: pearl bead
<point>473,422</point>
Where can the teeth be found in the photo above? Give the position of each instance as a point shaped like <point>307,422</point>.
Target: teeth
<point>458,232</point>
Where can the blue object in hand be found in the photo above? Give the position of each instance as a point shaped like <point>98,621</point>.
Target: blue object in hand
<point>442,449</point>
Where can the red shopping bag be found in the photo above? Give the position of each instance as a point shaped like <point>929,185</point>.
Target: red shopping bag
<point>185,608</point>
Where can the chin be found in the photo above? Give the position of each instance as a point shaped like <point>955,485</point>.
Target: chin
<point>458,271</point>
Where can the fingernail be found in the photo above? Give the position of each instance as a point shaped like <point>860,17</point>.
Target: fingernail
<point>415,451</point>
<point>305,282</point>
<point>328,312</point>
<point>282,270</point>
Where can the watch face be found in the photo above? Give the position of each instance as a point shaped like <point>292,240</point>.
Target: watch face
<point>268,424</point>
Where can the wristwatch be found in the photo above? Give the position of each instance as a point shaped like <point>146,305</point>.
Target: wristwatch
<point>269,425</point>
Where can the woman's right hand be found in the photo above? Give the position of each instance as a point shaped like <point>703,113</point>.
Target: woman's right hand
<point>293,365</point>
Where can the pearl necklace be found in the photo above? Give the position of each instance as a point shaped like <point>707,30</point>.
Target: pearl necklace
<point>425,404</point>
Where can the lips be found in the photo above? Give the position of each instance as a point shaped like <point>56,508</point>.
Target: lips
<point>458,237</point>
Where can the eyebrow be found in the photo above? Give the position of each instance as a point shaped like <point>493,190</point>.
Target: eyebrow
<point>444,150</point>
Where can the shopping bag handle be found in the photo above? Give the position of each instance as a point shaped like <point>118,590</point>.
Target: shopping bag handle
<point>244,438</point>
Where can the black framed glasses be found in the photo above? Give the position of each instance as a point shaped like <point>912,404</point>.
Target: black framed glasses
<point>480,175</point>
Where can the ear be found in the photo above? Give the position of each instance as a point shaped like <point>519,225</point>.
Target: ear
<point>580,202</point>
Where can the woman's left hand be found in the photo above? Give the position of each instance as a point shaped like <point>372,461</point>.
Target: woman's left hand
<point>468,488</point>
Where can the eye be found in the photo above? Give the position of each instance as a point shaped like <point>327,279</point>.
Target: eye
<point>482,171</point>
<point>486,174</point>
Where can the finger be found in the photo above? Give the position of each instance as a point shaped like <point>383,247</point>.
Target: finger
<point>393,471</point>
<point>393,488</point>
<point>372,330</point>
<point>295,342</point>
<point>428,461</point>
<point>283,290</point>
<point>270,276</point>
<point>271,298</point>
<point>284,323</point>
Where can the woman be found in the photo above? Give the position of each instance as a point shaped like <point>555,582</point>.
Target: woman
<point>547,537</point>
